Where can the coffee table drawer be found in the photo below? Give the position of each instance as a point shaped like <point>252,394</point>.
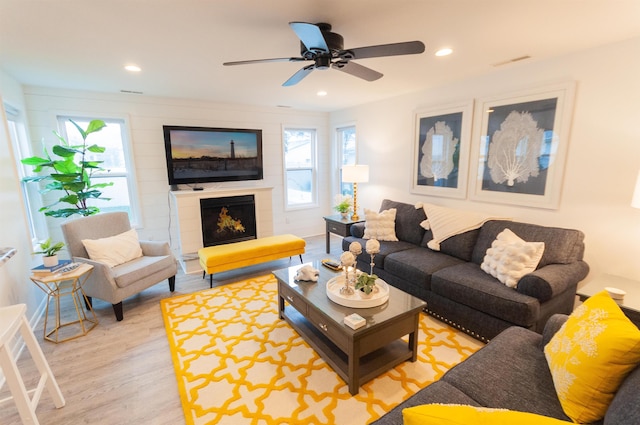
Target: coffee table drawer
<point>335,334</point>
<point>293,298</point>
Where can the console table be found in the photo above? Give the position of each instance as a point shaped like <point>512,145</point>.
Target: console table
<point>630,305</point>
<point>338,225</point>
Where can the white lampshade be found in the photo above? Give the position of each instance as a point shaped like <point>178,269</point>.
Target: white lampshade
<point>635,201</point>
<point>355,173</point>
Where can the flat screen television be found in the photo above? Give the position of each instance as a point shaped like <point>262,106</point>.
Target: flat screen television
<point>204,154</point>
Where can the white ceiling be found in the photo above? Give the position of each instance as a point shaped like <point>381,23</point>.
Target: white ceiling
<point>181,44</point>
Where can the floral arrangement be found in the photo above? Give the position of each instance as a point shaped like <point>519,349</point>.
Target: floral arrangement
<point>343,203</point>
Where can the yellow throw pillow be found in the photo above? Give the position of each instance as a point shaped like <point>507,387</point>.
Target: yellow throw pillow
<point>455,414</point>
<point>590,356</point>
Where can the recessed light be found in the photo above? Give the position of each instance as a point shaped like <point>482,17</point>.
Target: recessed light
<point>322,93</point>
<point>446,51</point>
<point>132,68</point>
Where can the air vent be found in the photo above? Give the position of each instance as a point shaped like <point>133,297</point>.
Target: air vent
<point>131,91</point>
<point>518,59</point>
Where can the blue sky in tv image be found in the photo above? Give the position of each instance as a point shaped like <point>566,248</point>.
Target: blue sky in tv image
<point>214,144</point>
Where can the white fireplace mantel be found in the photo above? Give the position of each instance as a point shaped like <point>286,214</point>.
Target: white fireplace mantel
<point>187,206</point>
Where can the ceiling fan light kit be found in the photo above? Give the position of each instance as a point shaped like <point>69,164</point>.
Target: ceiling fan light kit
<point>326,50</point>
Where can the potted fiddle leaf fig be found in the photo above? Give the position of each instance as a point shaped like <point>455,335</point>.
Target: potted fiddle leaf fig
<point>70,171</point>
<point>49,252</point>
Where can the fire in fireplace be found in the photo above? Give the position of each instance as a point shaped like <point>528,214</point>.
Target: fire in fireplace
<point>229,219</point>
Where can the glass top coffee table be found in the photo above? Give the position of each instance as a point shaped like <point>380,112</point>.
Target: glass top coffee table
<point>356,355</point>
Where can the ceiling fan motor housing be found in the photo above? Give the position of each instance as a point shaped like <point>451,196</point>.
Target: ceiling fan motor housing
<point>335,43</point>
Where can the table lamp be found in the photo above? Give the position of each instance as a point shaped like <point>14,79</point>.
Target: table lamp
<point>635,201</point>
<point>355,174</point>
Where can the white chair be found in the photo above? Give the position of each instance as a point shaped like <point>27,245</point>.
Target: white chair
<point>12,321</point>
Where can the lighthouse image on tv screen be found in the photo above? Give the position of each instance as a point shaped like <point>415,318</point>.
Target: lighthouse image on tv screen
<point>202,154</point>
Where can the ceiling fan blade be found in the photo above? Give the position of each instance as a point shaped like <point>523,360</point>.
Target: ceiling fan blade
<point>393,49</point>
<point>298,76</point>
<point>357,70</point>
<point>310,35</point>
<point>264,61</point>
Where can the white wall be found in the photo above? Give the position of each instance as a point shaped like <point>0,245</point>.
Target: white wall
<point>15,286</point>
<point>603,157</point>
<point>146,117</point>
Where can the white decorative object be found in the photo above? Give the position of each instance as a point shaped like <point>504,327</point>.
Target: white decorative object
<point>307,273</point>
<point>381,226</point>
<point>50,261</point>
<point>510,258</point>
<point>356,299</point>
<point>355,248</point>
<point>615,293</point>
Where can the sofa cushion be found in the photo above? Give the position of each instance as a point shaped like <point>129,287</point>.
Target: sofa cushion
<point>135,270</point>
<point>408,220</point>
<point>625,409</point>
<point>457,414</point>
<point>460,246</point>
<point>381,226</point>
<point>510,372</point>
<point>438,392</point>
<point>591,355</point>
<point>386,248</point>
<point>416,265</point>
<point>510,258</point>
<point>467,284</point>
<point>562,246</point>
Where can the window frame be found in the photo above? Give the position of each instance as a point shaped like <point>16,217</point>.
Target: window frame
<point>340,156</point>
<point>135,213</point>
<point>314,169</point>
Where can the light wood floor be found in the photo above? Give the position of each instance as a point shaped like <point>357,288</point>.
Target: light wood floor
<point>121,372</point>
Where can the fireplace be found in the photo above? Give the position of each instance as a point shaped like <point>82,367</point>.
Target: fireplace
<point>229,219</point>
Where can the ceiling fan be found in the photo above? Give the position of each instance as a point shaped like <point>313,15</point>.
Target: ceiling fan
<point>326,49</point>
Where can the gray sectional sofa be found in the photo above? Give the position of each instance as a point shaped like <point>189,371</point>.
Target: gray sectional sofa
<point>511,372</point>
<point>458,291</point>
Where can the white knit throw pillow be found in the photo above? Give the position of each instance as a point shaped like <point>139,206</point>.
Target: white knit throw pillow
<point>510,258</point>
<point>380,226</point>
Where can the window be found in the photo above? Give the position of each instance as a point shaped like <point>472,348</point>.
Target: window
<point>346,137</point>
<point>30,194</point>
<point>300,167</point>
<point>118,162</point>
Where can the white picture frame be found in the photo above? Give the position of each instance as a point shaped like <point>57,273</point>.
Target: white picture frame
<point>520,145</point>
<point>441,150</point>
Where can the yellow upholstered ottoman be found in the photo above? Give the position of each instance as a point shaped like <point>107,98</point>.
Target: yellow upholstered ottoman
<point>219,258</point>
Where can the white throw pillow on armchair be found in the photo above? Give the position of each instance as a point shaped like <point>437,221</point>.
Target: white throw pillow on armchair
<point>114,250</point>
<point>510,258</point>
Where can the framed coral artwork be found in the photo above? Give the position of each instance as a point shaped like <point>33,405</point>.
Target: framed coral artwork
<point>441,150</point>
<point>519,147</point>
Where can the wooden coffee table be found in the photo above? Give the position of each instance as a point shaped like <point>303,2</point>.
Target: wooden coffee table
<point>356,355</point>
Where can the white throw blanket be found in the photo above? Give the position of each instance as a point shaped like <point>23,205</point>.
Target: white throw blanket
<point>446,222</point>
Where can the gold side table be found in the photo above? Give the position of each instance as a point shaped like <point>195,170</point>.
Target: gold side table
<point>58,285</point>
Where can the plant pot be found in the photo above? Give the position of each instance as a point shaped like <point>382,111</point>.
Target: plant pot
<point>344,214</point>
<point>364,295</point>
<point>50,261</point>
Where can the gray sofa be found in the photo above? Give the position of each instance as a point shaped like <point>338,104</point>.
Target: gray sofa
<point>511,372</point>
<point>458,291</point>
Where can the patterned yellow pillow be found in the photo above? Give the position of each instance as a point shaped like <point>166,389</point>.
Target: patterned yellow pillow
<point>590,356</point>
<point>455,414</point>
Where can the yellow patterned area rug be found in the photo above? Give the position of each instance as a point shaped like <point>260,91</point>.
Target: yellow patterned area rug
<point>237,363</point>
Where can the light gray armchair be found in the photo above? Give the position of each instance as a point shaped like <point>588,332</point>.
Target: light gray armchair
<point>114,284</point>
